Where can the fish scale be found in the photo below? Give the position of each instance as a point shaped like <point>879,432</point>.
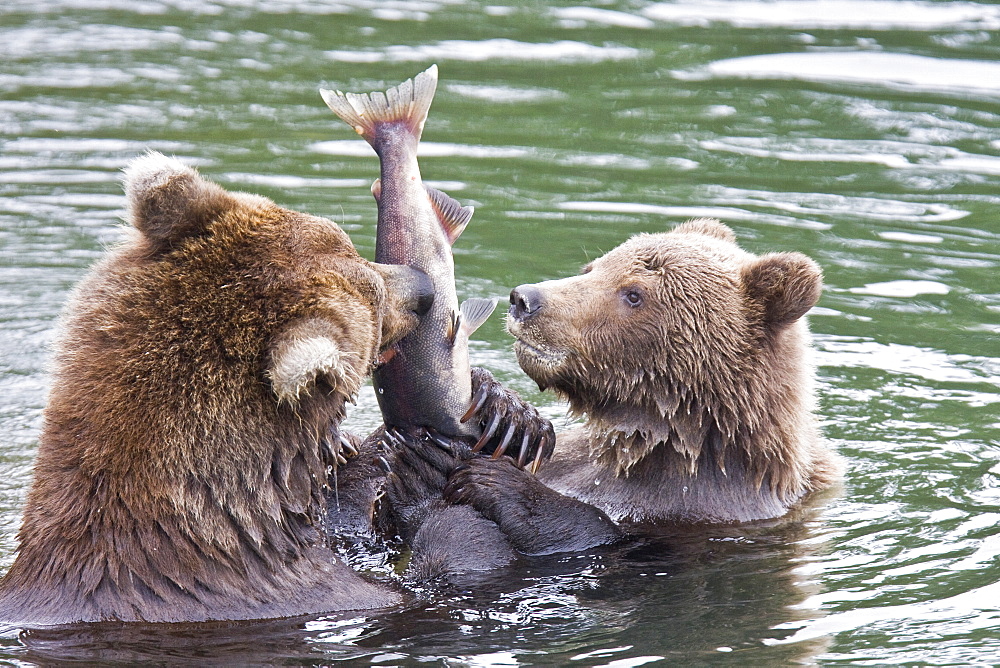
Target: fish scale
<point>425,379</point>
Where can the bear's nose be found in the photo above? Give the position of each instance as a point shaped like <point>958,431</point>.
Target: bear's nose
<point>525,300</point>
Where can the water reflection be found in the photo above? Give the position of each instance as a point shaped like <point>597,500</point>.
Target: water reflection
<point>550,610</point>
<point>690,586</point>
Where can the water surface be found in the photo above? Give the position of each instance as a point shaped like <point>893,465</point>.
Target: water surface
<point>865,133</point>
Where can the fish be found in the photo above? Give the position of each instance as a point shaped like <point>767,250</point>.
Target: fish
<point>425,380</point>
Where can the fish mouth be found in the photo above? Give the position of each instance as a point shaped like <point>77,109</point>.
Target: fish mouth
<point>386,355</point>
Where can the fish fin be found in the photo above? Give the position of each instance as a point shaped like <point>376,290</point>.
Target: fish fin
<point>476,311</point>
<point>454,325</point>
<point>452,215</point>
<point>377,190</point>
<point>408,103</point>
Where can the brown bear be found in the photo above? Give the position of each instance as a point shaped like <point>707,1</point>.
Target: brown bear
<point>688,358</point>
<point>199,380</point>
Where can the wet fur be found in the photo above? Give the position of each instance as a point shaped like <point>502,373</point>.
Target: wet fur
<point>698,402</point>
<point>182,464</point>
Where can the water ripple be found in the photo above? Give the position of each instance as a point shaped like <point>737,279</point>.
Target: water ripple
<point>34,41</point>
<point>506,94</point>
<point>975,609</point>
<point>902,71</point>
<point>564,51</point>
<point>933,365</point>
<point>572,17</point>
<point>722,213</point>
<point>837,206</point>
<point>429,149</point>
<point>887,153</point>
<point>831,14</point>
<point>388,9</point>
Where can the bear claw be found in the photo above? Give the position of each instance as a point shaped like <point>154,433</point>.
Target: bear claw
<point>487,433</point>
<point>502,448</point>
<point>478,400</point>
<point>504,417</point>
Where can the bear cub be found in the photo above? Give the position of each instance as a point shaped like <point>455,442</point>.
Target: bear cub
<point>199,379</point>
<point>688,359</point>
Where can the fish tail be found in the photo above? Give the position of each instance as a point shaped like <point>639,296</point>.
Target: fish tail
<point>406,103</point>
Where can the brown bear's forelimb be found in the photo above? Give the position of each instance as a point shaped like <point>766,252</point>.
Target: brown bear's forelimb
<point>535,519</point>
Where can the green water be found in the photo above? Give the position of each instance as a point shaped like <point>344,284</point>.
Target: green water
<point>865,133</point>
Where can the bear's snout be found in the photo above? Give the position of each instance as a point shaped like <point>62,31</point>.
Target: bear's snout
<point>525,301</point>
<point>411,289</point>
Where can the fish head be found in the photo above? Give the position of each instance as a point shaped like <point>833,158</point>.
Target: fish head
<point>409,294</point>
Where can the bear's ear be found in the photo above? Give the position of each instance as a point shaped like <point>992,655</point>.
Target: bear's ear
<point>710,227</point>
<point>168,201</point>
<point>306,351</point>
<point>784,285</point>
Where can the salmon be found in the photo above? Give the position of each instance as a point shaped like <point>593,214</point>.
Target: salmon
<point>424,381</point>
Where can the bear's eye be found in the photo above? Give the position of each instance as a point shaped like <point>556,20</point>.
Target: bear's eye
<point>587,267</point>
<point>632,297</point>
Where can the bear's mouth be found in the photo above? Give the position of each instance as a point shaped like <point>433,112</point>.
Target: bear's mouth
<point>539,360</point>
<point>538,354</point>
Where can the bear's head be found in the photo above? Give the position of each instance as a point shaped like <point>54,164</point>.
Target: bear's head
<point>199,380</point>
<point>284,288</point>
<point>680,338</point>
